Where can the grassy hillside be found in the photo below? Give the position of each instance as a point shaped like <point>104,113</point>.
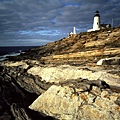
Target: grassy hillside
<point>82,48</point>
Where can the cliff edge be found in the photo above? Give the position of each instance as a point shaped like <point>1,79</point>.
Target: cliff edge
<point>81,49</point>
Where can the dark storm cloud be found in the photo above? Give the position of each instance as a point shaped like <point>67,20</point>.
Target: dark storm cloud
<point>52,19</point>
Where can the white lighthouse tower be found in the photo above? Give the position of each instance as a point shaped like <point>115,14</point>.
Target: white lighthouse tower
<point>74,30</point>
<point>96,22</point>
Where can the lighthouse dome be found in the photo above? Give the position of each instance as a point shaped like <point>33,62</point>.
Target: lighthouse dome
<point>97,14</point>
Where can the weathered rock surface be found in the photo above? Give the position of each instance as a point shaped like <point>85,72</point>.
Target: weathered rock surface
<point>65,99</point>
<point>62,73</point>
<point>79,100</point>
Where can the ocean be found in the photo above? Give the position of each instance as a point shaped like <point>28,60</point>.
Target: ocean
<point>12,51</point>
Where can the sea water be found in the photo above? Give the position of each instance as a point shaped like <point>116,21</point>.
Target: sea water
<point>12,51</point>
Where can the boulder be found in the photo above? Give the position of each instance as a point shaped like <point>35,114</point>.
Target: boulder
<point>71,102</point>
<point>109,61</point>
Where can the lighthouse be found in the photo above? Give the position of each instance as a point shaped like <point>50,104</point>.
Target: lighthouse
<point>96,22</point>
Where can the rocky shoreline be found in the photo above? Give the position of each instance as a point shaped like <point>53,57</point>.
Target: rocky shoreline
<point>72,79</point>
<point>24,81</point>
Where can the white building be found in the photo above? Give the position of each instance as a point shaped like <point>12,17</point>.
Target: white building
<point>74,30</point>
<point>96,22</point>
<point>72,33</point>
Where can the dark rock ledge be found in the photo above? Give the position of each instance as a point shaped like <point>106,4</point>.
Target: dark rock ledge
<point>16,95</point>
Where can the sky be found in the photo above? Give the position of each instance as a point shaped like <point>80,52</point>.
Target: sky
<point>37,22</point>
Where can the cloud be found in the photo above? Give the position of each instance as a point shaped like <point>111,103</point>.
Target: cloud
<point>22,42</point>
<point>48,19</point>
